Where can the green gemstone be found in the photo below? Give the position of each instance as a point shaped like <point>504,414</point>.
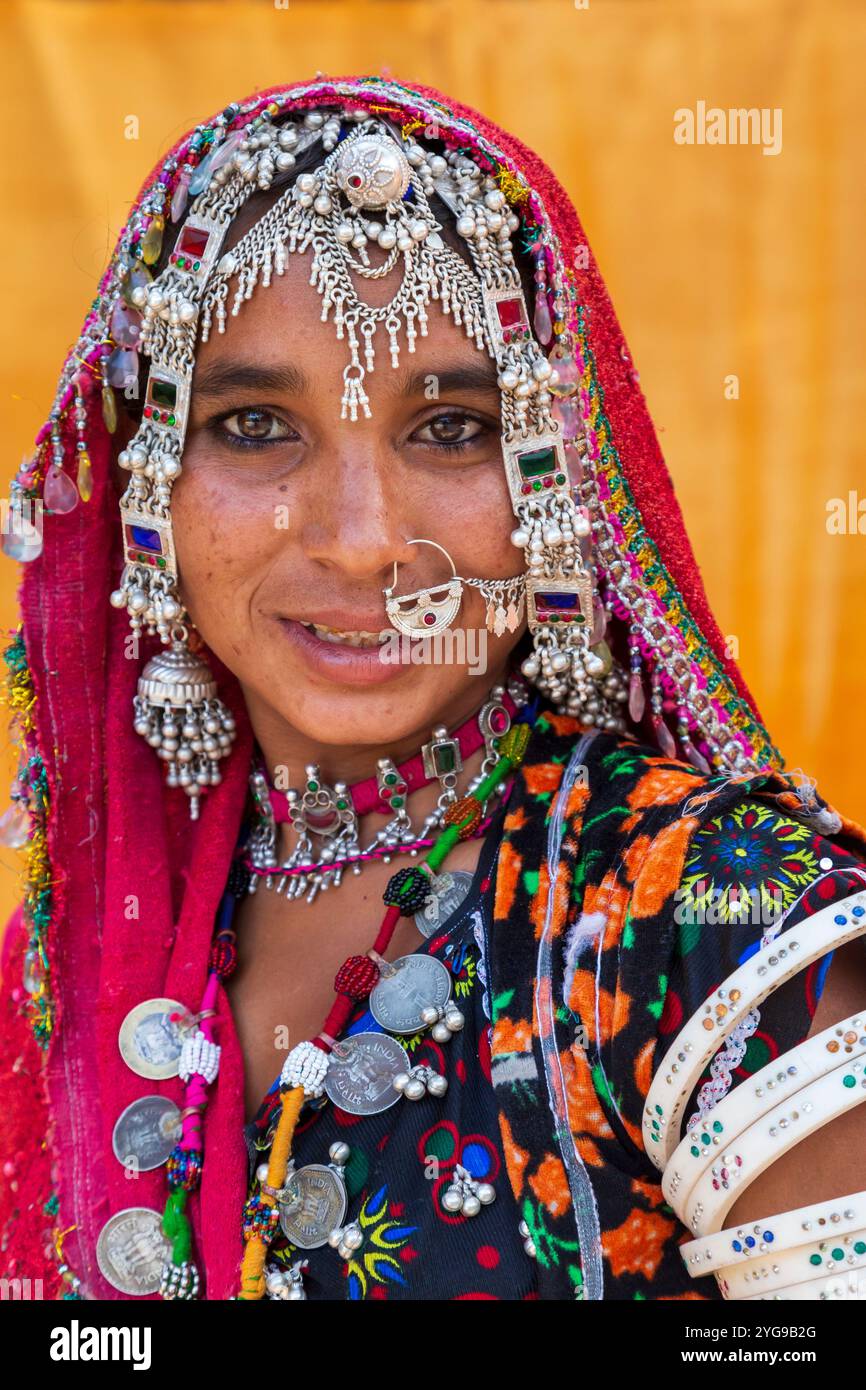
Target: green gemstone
<point>849,1081</point>
<point>536,463</point>
<point>695,1152</point>
<point>814,1259</point>
<point>560,479</point>
<point>341,805</point>
<point>390,778</point>
<point>705,1139</point>
<point>717,1126</point>
<point>160,560</point>
<point>397,802</point>
<point>860,1247</point>
<point>181,261</point>
<point>312,786</point>
<point>444,759</point>
<point>659,1110</point>
<point>536,487</point>
<point>171,420</point>
<point>838,1254</point>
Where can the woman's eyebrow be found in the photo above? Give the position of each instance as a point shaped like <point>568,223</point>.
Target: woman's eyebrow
<point>221,377</point>
<point>469,376</point>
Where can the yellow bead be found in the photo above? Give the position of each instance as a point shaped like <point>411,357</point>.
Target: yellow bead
<point>109,409</point>
<point>85,476</point>
<point>151,242</point>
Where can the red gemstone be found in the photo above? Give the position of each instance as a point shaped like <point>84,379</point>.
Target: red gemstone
<point>429,618</point>
<point>499,721</point>
<point>510,312</point>
<point>193,242</point>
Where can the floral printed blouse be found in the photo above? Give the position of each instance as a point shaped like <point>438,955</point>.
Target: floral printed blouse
<point>744,869</point>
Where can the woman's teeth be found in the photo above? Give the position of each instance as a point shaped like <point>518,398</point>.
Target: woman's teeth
<point>348,639</point>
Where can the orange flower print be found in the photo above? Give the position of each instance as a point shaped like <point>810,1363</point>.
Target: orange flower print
<point>637,1246</point>
<point>511,1035</point>
<point>507,878</point>
<point>516,1158</point>
<point>550,1185</point>
<point>544,777</point>
<point>663,868</point>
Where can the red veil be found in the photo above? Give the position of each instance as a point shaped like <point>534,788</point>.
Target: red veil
<point>123,887</point>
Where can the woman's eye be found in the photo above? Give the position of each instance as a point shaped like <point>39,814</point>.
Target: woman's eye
<point>451,431</point>
<point>255,425</point>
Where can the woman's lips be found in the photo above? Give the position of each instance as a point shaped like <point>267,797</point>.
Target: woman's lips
<point>340,662</point>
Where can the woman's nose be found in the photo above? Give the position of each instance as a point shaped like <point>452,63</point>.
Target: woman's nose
<point>358,524</point>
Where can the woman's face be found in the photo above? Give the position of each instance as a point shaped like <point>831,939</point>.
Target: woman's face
<point>287,516</point>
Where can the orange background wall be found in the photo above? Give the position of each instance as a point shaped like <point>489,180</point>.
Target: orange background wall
<point>720,260</point>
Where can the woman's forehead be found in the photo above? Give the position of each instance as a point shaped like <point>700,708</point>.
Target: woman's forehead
<point>281,327</point>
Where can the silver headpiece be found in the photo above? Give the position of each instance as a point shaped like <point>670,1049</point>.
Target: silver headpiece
<point>373,188</point>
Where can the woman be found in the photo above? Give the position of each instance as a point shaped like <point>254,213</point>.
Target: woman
<point>251,713</point>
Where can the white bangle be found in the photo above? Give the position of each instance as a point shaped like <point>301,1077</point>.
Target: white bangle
<point>767,1139</point>
<point>789,1073</point>
<point>849,1287</point>
<point>749,985</point>
<point>833,1219</point>
<point>830,1255</point>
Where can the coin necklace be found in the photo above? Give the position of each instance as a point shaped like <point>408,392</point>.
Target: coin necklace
<point>159,1038</point>
<point>315,1195</point>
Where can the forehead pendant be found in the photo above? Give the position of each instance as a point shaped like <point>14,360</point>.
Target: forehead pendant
<point>372,171</point>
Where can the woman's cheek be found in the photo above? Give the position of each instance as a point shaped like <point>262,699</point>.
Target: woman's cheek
<point>225,526</point>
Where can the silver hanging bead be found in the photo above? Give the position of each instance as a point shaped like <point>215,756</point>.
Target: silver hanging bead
<point>177,711</point>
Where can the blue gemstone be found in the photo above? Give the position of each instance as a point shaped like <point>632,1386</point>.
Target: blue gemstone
<point>737,1246</point>
<point>840,918</point>
<point>556,600</point>
<point>147,539</point>
<point>750,1240</point>
<point>768,1235</point>
<point>858,911</point>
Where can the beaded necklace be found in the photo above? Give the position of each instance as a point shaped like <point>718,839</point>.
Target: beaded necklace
<point>305,1069</point>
